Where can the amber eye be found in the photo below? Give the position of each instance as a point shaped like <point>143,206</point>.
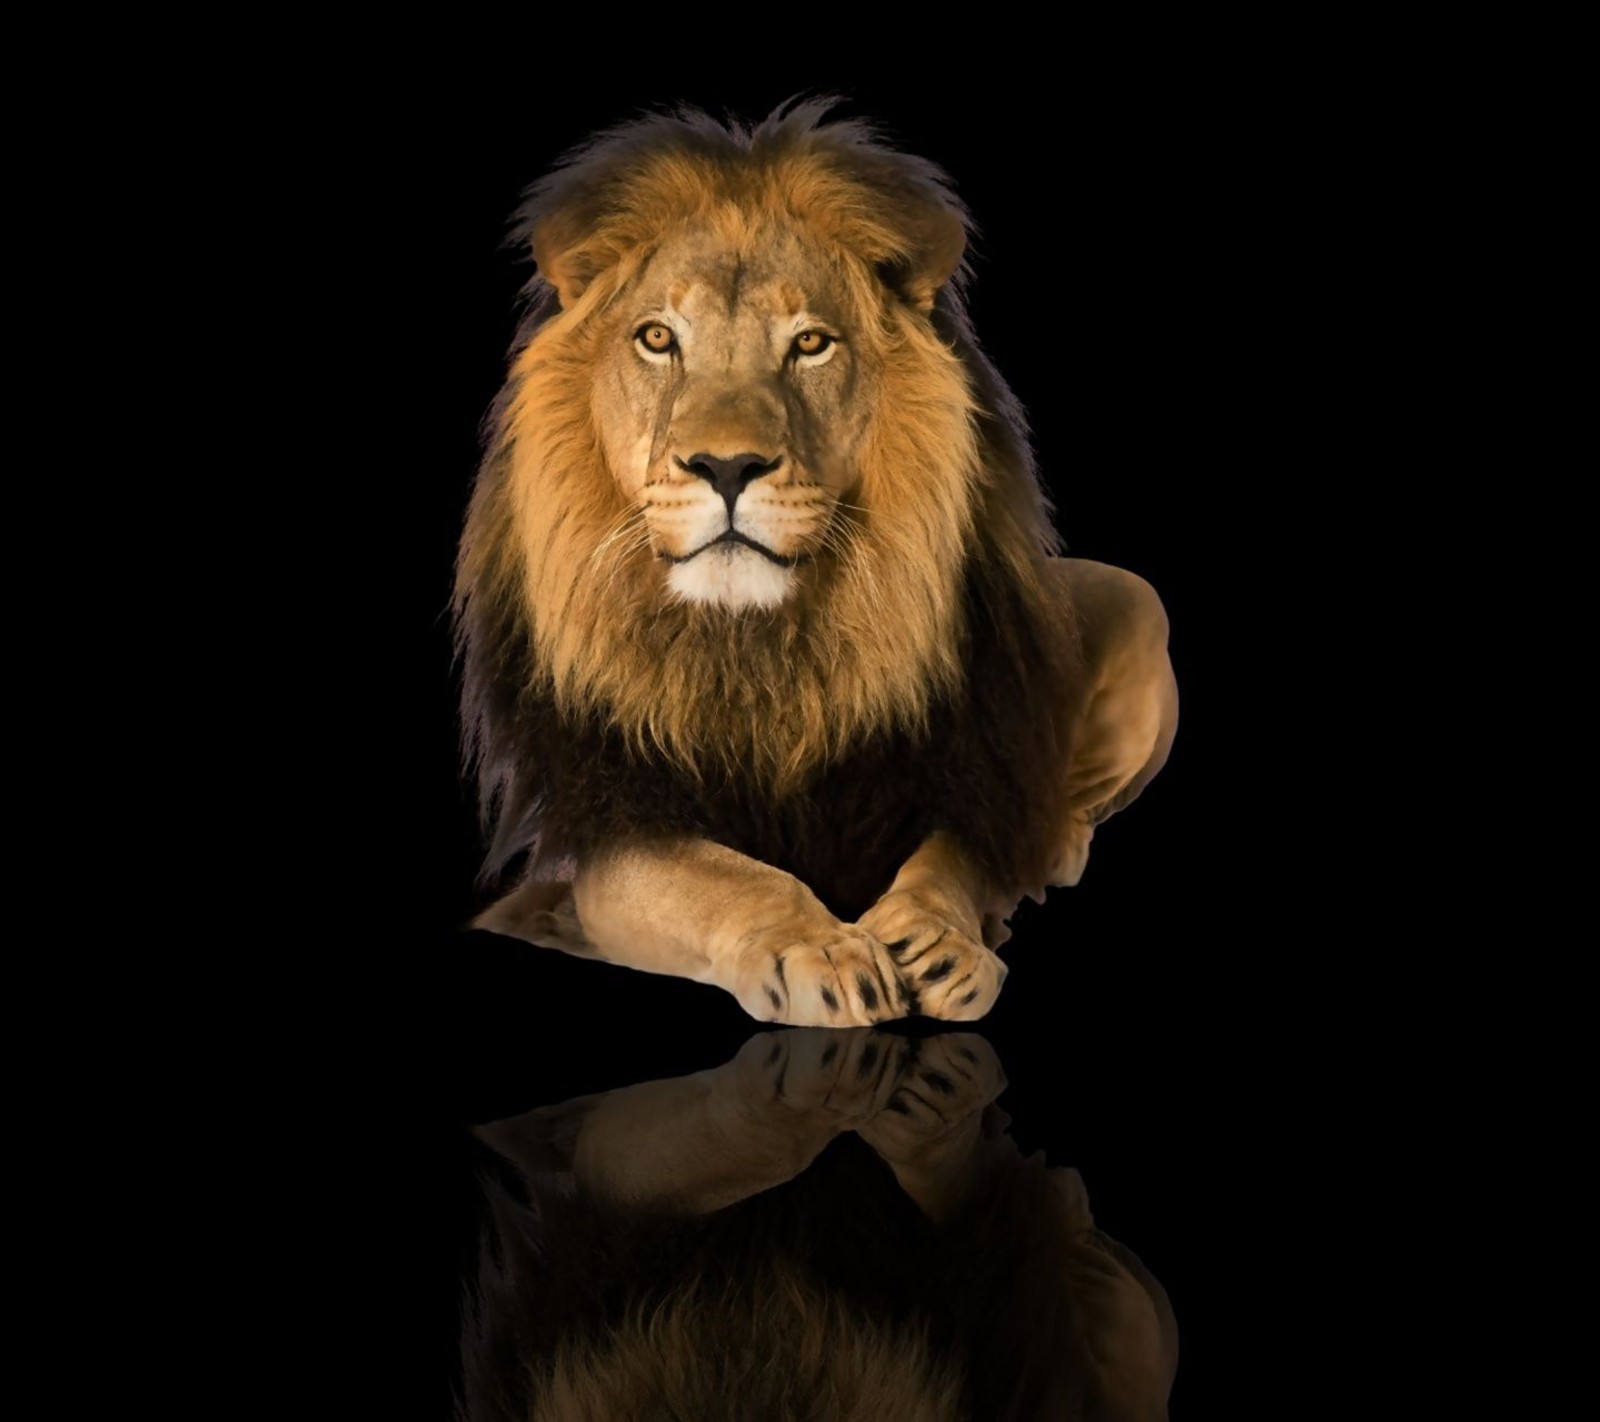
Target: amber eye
<point>812,343</point>
<point>655,338</point>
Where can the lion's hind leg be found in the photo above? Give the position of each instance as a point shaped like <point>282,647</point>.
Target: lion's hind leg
<point>1130,716</point>
<point>542,912</point>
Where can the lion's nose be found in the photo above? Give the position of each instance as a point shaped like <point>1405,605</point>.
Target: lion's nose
<point>729,476</point>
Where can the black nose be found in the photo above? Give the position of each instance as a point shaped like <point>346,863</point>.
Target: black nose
<point>729,476</point>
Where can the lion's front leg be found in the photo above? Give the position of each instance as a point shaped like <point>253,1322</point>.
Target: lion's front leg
<point>933,919</point>
<point>692,908</point>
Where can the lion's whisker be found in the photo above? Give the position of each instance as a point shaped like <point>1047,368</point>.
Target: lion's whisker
<point>845,539</point>
<point>619,526</point>
<point>639,538</point>
<point>874,513</point>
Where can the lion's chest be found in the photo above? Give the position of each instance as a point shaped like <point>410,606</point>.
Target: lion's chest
<point>845,836</point>
<point>844,833</point>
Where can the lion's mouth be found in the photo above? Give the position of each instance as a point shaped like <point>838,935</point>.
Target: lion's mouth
<point>732,536</point>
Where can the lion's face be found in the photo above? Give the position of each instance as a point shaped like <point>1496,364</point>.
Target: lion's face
<point>731,400</point>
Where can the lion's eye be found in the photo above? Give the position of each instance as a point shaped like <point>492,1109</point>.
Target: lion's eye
<point>655,338</point>
<point>810,343</point>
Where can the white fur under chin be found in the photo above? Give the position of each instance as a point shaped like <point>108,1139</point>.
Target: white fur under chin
<point>733,577</point>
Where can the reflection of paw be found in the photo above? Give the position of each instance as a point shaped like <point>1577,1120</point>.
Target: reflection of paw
<point>844,1077</point>
<point>954,1077</point>
<point>949,971</point>
<point>839,977</point>
<point>931,1132</point>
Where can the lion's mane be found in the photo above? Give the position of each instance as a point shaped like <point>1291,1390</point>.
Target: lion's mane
<point>926,684</point>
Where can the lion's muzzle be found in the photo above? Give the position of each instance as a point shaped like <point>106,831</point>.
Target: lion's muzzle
<point>733,527</point>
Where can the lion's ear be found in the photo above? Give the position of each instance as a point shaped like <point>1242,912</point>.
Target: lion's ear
<point>560,254</point>
<point>923,231</point>
<point>936,241</point>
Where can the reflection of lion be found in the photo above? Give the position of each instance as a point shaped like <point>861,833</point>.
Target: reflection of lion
<point>769,660</point>
<point>832,1225</point>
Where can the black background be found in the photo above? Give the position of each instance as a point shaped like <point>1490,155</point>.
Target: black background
<point>1156,276</point>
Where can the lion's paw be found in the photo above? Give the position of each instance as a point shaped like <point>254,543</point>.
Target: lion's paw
<point>838,977</point>
<point>950,973</point>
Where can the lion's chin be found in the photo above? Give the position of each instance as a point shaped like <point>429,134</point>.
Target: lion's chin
<point>731,577</point>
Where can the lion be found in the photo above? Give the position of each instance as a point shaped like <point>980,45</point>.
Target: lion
<point>775,675</point>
